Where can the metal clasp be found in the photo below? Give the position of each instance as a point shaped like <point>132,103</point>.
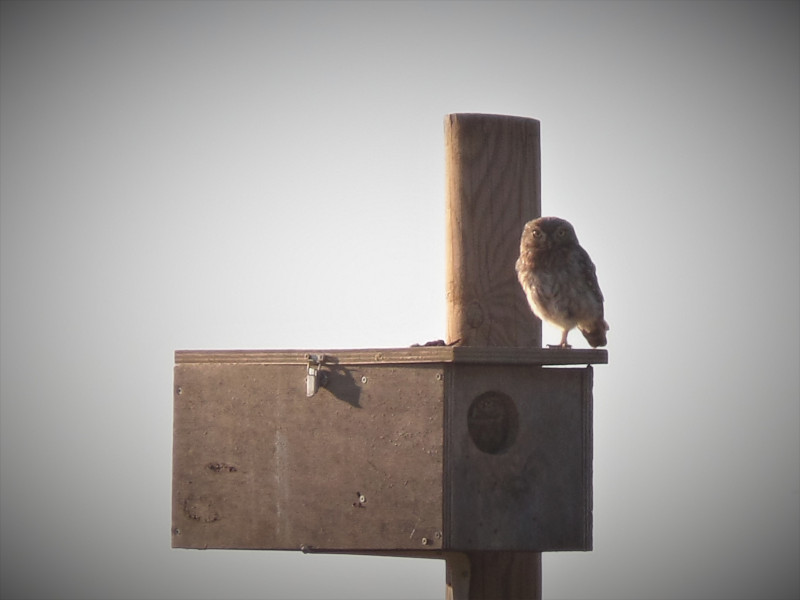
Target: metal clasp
<point>315,376</point>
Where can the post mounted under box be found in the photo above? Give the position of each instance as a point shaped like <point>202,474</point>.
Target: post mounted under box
<point>426,448</point>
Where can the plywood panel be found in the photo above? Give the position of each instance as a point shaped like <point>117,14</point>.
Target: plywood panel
<point>258,465</point>
<point>529,490</point>
<point>395,356</point>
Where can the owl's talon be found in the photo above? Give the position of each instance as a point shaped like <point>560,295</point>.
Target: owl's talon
<point>559,346</point>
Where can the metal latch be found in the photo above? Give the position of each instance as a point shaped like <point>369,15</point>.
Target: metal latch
<point>315,376</point>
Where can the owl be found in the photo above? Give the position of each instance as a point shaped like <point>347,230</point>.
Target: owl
<point>559,280</point>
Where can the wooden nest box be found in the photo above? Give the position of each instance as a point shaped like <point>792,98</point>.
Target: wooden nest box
<point>479,453</point>
<point>430,448</point>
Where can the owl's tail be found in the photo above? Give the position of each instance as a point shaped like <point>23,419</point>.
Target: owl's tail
<point>595,333</point>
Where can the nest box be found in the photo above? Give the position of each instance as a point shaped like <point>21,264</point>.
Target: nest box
<point>427,448</point>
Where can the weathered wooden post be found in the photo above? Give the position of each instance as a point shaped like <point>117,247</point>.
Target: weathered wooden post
<point>477,453</point>
<point>493,188</point>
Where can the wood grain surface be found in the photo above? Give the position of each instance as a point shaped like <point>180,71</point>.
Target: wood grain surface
<point>493,179</point>
<point>493,189</point>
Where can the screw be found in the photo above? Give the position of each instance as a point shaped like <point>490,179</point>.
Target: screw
<point>437,535</point>
<point>425,541</point>
<point>179,390</point>
<point>364,379</point>
<point>439,377</point>
<point>362,498</point>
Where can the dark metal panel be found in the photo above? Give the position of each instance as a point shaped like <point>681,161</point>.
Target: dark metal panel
<point>519,460</point>
<point>258,465</point>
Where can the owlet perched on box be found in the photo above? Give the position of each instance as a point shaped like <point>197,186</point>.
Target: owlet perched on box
<point>559,280</point>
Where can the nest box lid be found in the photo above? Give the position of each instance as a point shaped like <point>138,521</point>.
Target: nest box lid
<point>413,355</point>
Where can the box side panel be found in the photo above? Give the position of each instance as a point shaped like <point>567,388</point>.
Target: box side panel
<point>518,472</point>
<point>258,465</point>
<point>588,454</point>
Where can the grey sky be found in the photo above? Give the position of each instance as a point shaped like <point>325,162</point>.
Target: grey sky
<point>186,175</point>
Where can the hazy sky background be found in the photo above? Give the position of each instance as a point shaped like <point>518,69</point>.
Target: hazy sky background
<point>187,175</point>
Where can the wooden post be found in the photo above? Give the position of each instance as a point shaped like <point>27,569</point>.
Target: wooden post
<point>493,189</point>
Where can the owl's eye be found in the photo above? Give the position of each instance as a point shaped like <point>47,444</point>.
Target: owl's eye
<point>562,233</point>
<point>536,233</point>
